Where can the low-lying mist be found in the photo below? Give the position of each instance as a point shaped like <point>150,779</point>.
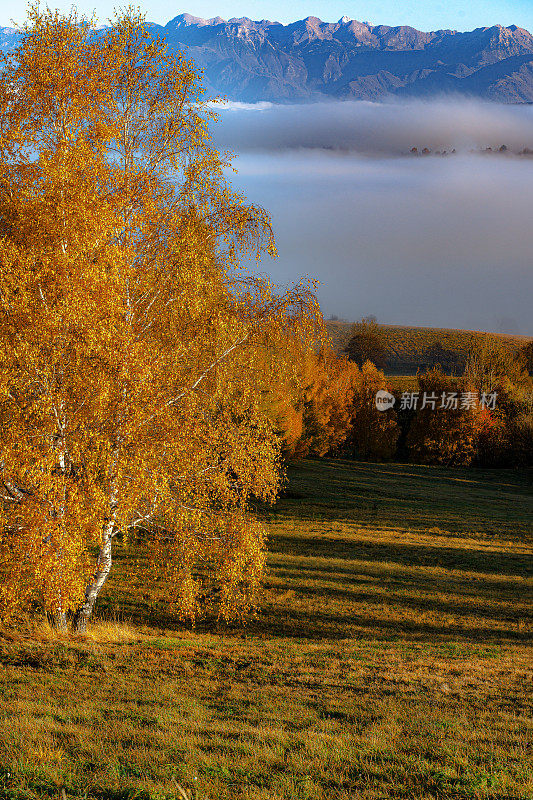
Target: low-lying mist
<point>427,240</point>
<point>377,128</point>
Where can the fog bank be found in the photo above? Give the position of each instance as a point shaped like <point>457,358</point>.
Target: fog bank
<point>376,128</point>
<point>433,240</point>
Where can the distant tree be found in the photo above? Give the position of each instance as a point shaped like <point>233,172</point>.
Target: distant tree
<point>508,440</point>
<point>493,367</point>
<point>506,443</point>
<point>374,433</point>
<point>331,408</point>
<point>521,440</point>
<point>527,356</point>
<point>332,384</point>
<point>313,411</point>
<point>438,355</point>
<point>444,435</point>
<point>367,343</point>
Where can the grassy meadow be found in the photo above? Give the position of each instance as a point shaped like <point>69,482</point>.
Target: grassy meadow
<point>391,659</point>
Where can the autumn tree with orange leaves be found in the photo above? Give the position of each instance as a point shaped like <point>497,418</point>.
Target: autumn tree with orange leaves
<point>315,414</point>
<point>130,338</point>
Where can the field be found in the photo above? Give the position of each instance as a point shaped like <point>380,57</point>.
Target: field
<point>407,345</point>
<point>391,659</point>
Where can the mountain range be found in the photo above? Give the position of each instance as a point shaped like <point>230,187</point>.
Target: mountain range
<point>250,61</point>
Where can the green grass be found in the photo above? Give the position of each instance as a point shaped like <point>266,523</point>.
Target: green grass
<point>391,659</point>
<point>407,344</point>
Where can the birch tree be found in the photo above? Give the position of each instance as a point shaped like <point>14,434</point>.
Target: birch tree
<point>130,336</point>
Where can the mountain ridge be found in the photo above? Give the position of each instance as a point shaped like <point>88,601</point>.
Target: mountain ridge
<point>309,59</point>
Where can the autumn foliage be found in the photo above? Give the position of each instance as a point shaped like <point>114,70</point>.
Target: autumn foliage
<point>440,435</point>
<point>313,410</point>
<point>131,341</point>
<point>329,409</point>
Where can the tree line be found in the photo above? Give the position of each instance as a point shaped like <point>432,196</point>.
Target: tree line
<point>482,417</point>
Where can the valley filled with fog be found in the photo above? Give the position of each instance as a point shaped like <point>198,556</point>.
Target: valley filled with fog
<point>421,239</point>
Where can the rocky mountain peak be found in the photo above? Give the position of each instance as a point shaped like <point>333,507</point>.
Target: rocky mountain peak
<point>310,59</point>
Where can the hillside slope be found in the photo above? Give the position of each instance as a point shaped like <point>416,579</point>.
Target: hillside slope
<point>407,345</point>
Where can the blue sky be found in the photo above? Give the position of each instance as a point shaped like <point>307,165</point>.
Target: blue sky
<point>421,14</point>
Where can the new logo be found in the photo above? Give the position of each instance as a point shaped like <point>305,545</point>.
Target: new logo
<point>384,400</point>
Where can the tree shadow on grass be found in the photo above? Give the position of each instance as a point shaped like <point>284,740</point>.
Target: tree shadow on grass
<point>294,623</point>
<point>401,580</point>
<point>334,610</point>
<point>421,604</point>
<point>357,492</point>
<point>413,555</point>
<point>466,586</point>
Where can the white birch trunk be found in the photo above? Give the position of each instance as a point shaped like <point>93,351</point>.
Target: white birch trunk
<point>103,567</point>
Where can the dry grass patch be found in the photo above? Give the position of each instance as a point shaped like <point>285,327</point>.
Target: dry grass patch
<point>112,631</point>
